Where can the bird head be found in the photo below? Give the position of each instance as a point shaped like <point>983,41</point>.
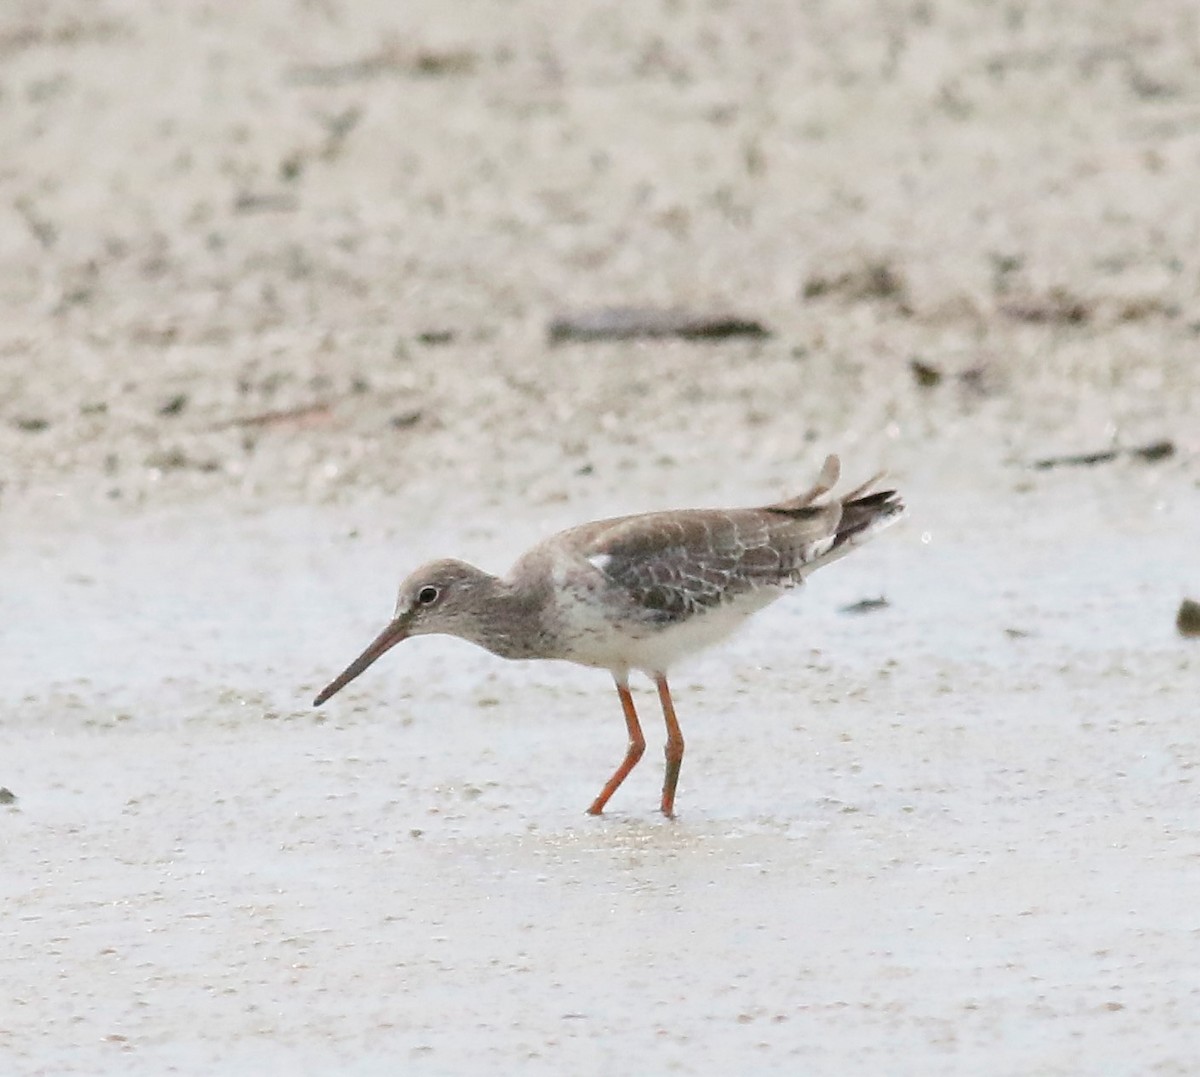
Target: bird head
<point>436,598</point>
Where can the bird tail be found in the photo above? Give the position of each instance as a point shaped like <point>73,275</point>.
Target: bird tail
<point>863,516</point>
<point>856,515</point>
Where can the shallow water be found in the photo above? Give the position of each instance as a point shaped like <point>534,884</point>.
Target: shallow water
<point>960,825</point>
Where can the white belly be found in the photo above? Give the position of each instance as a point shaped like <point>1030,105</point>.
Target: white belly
<point>592,639</point>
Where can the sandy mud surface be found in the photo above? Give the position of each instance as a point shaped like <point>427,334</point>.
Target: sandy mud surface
<point>276,284</point>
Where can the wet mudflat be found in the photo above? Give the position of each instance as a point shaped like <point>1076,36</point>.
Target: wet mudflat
<point>955,828</point>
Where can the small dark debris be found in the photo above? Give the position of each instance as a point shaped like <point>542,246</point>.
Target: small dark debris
<point>977,380</point>
<point>359,386</point>
<point>630,323</point>
<point>447,62</point>
<point>248,202</point>
<point>7,796</point>
<point>1017,633</point>
<point>1187,620</point>
<point>175,459</point>
<point>42,229</point>
<point>871,282</point>
<point>75,297</point>
<point>338,128</point>
<point>1004,266</point>
<point>168,460</point>
<point>406,419</point>
<point>292,167</point>
<point>432,338</point>
<point>1055,307</point>
<point>1139,309</point>
<point>306,415</point>
<point>388,60</point>
<point>1149,88</point>
<point>1154,451</point>
<point>1076,459</point>
<point>340,124</point>
<point>926,376</point>
<point>866,605</point>
<point>31,424</point>
<point>72,31</point>
<point>98,408</point>
<point>1150,453</point>
<point>175,405</point>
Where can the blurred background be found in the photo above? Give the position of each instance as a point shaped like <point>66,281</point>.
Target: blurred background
<point>288,249</point>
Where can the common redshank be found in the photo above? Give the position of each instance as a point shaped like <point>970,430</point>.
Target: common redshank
<point>636,593</point>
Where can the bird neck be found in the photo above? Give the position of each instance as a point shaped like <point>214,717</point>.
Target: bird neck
<point>505,620</point>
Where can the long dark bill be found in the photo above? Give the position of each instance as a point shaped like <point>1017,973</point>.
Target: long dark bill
<point>396,632</point>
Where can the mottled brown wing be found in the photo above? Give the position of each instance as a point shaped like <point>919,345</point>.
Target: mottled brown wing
<point>677,563</point>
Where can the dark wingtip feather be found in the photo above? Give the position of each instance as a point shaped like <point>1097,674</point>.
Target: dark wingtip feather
<point>866,513</point>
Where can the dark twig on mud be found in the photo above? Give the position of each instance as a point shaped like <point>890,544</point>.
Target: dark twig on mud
<point>1150,452</point>
<point>629,323</point>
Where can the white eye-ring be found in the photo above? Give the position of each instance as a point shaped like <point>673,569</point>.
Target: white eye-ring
<point>427,596</point>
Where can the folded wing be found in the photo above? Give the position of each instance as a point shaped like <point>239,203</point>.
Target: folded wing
<point>675,564</point>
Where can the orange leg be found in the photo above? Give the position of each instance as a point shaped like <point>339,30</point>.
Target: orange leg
<point>637,745</point>
<point>673,750</point>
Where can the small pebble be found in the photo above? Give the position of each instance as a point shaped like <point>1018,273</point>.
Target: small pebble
<point>175,405</point>
<point>433,337</point>
<point>1187,620</point>
<point>926,375</point>
<point>866,605</point>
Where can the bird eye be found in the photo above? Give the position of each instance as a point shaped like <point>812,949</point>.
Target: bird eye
<point>427,596</point>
